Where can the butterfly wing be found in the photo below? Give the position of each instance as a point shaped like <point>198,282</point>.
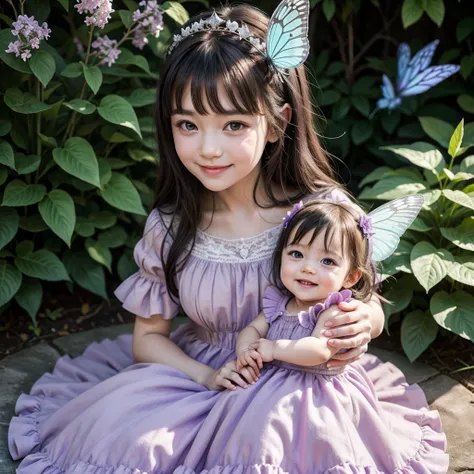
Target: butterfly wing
<point>429,78</point>
<point>403,59</point>
<point>287,36</point>
<point>389,100</point>
<point>390,221</point>
<point>419,63</point>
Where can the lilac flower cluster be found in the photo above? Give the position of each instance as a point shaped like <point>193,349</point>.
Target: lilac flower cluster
<point>99,10</point>
<point>365,224</point>
<point>29,34</point>
<point>150,22</point>
<point>107,50</point>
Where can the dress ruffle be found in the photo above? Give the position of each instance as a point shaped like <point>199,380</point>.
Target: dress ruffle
<point>274,302</point>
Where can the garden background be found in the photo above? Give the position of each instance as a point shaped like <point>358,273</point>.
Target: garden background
<point>78,157</point>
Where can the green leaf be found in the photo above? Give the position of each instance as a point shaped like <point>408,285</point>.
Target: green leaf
<point>99,253</point>
<point>390,122</point>
<point>362,104</point>
<point>57,210</point>
<point>429,264</point>
<point>329,9</point>
<point>399,261</point>
<point>454,312</point>
<point>93,77</point>
<point>121,193</point>
<point>420,154</point>
<point>5,127</point>
<point>459,197</point>
<point>464,28</point>
<point>456,140</point>
<point>83,227</point>
<point>419,225</point>
<point>64,4</point>
<point>418,331</point>
<point>430,198</point>
<point>27,164</point>
<point>42,264</point>
<point>10,59</point>
<point>462,235</point>
<point>24,248</point>
<point>43,66</point>
<point>412,10</point>
<point>113,238</point>
<point>467,66</point>
<point>467,164</point>
<point>33,223</point>
<point>462,270</point>
<point>126,265</point>
<point>399,296</point>
<point>86,273</point>
<point>7,156</point>
<point>29,297</point>
<point>375,175</point>
<point>50,142</point>
<point>341,109</point>
<point>78,159</point>
<point>105,172</point>
<point>176,11</point>
<point>117,110</point>
<point>103,219</point>
<point>466,102</point>
<point>392,187</point>
<point>128,58</point>
<point>84,107</point>
<point>127,17</point>
<point>73,70</point>
<point>138,154</point>
<point>10,282</point>
<point>329,97</point>
<point>8,225</point>
<point>361,132</point>
<point>142,97</point>
<point>18,193</point>
<point>439,130</point>
<point>24,103</point>
<point>435,10</point>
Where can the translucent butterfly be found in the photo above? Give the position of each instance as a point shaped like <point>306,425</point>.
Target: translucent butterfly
<point>287,35</point>
<point>414,76</point>
<point>389,222</point>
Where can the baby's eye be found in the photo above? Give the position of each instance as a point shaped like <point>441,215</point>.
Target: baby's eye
<point>295,254</point>
<point>186,126</point>
<point>236,126</point>
<point>328,261</point>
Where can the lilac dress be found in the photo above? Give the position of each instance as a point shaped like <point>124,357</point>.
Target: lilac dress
<point>102,414</point>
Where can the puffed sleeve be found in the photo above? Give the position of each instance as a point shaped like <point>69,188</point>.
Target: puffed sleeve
<point>145,293</point>
<point>274,302</point>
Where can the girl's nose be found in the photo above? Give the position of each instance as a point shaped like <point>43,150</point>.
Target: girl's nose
<point>307,268</point>
<point>210,147</point>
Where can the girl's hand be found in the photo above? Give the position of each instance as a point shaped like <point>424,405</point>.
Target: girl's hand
<point>229,377</point>
<point>265,348</point>
<point>252,359</point>
<point>349,329</point>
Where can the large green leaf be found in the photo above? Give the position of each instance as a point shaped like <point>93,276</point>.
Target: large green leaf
<point>418,331</point>
<point>399,261</point>
<point>374,176</point>
<point>412,10</point>
<point>429,264</point>
<point>42,264</point>
<point>43,66</point>
<point>121,193</point>
<point>7,157</point>
<point>78,159</point>
<point>439,130</point>
<point>113,238</point>
<point>176,11</point>
<point>462,235</point>
<point>420,154</point>
<point>117,110</point>
<point>10,59</point>
<point>26,164</point>
<point>361,131</point>
<point>142,97</point>
<point>82,106</point>
<point>10,282</point>
<point>456,140</point>
<point>103,219</point>
<point>454,312</point>
<point>8,225</point>
<point>29,297</point>
<point>126,265</point>
<point>57,210</point>
<point>24,103</point>
<point>93,77</point>
<point>462,270</point>
<point>99,253</point>
<point>393,187</point>
<point>430,198</point>
<point>399,296</point>
<point>86,273</point>
<point>435,10</point>
<point>459,197</point>
<point>18,193</point>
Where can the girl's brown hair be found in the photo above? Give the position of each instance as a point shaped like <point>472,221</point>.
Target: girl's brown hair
<point>332,218</point>
<point>295,162</point>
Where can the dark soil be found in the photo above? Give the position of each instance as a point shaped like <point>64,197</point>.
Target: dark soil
<point>81,311</point>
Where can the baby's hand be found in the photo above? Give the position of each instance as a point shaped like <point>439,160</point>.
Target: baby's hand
<point>265,348</point>
<point>252,360</point>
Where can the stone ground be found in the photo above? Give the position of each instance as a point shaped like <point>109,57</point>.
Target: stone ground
<point>455,403</point>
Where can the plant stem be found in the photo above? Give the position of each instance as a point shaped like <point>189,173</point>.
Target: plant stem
<point>14,9</point>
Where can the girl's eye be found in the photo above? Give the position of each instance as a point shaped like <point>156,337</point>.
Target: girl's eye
<point>236,126</point>
<point>295,254</point>
<point>328,261</point>
<point>188,126</point>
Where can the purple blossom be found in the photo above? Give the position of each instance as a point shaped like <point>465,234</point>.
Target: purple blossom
<point>99,11</point>
<point>290,215</point>
<point>79,46</point>
<point>150,22</point>
<point>365,224</point>
<point>29,34</point>
<point>107,50</point>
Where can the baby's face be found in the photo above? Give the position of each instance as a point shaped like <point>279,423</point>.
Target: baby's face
<point>310,272</point>
<point>221,150</point>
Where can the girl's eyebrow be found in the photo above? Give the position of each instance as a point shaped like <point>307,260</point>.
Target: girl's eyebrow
<point>192,112</point>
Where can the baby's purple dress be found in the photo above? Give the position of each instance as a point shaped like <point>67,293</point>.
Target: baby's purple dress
<point>101,414</point>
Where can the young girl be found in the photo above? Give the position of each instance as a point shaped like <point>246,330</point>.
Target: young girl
<point>237,150</point>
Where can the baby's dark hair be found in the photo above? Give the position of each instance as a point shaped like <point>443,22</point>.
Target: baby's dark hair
<point>321,215</point>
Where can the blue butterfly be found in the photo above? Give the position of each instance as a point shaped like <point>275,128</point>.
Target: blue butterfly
<point>390,221</point>
<point>414,76</point>
<point>287,35</point>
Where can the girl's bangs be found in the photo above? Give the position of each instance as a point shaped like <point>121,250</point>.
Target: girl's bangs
<point>205,68</point>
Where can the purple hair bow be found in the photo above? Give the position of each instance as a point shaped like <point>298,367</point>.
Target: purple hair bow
<point>290,214</point>
<point>365,224</point>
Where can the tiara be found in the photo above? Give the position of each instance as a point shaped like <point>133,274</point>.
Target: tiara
<point>291,214</point>
<point>215,23</point>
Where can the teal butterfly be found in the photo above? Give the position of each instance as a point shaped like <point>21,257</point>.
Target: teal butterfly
<point>287,35</point>
<point>388,223</point>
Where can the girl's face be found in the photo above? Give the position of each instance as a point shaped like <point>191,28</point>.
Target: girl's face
<point>310,272</point>
<point>220,150</point>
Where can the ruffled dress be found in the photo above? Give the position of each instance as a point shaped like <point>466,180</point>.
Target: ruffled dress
<point>102,414</point>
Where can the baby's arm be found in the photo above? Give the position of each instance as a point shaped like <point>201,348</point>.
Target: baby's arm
<point>256,330</point>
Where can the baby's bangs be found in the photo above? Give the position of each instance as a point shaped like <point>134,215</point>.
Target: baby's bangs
<point>208,65</point>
